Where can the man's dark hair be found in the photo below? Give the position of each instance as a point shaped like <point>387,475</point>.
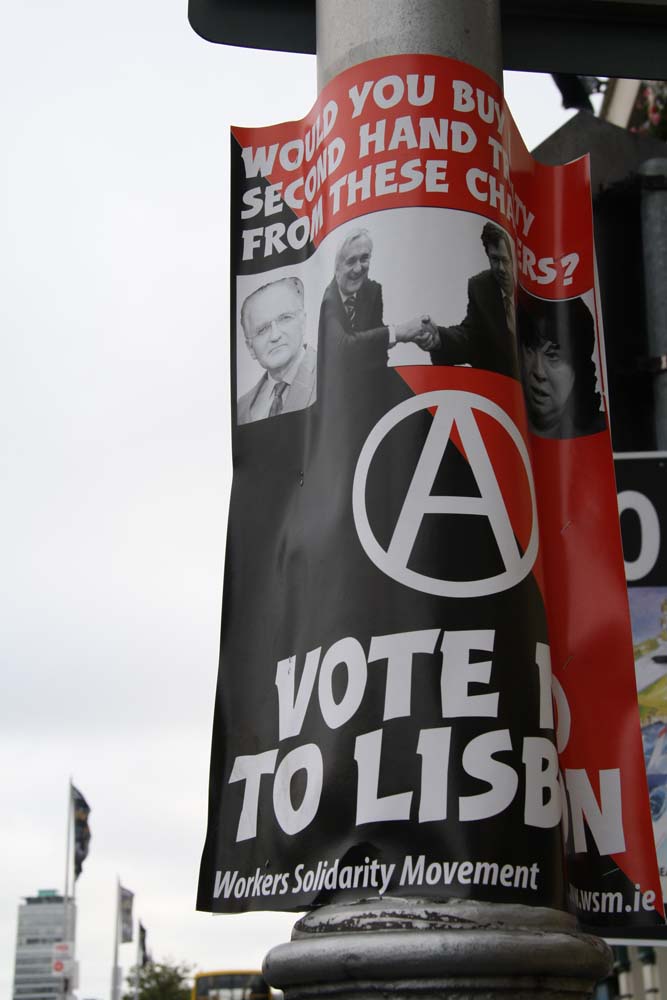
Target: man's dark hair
<point>493,236</point>
<point>568,324</point>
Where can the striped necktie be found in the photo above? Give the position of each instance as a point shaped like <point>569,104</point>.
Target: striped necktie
<point>508,303</point>
<point>277,402</point>
<point>351,310</point>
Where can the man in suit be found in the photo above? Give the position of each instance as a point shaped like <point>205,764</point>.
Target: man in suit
<point>356,387</point>
<point>486,337</point>
<point>274,324</point>
<point>351,316</point>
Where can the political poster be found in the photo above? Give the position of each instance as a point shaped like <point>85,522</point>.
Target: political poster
<point>642,500</point>
<point>423,554</point>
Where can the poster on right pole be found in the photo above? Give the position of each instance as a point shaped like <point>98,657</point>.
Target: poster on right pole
<point>641,480</point>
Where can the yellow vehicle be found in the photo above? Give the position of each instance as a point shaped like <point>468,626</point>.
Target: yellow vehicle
<point>233,984</point>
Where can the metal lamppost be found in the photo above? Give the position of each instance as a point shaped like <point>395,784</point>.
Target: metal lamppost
<point>423,948</point>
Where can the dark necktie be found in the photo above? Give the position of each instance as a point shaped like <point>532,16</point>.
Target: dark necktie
<point>351,310</point>
<point>509,313</point>
<point>277,402</point>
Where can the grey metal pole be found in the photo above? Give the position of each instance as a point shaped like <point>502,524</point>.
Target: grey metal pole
<point>411,948</point>
<point>654,239</point>
<point>650,975</point>
<point>352,31</point>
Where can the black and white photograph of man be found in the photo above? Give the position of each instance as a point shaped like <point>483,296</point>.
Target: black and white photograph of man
<point>486,337</point>
<point>419,287</point>
<point>273,319</point>
<point>352,307</point>
<point>558,367</point>
<point>366,277</point>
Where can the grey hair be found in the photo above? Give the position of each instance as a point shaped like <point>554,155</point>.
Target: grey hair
<point>296,284</point>
<point>355,235</point>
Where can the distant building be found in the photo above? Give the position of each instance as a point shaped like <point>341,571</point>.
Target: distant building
<point>43,921</point>
<point>619,102</point>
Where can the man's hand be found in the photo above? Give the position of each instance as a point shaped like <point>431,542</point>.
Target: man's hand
<point>429,338</point>
<point>421,330</point>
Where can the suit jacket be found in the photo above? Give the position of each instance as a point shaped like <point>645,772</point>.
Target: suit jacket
<point>361,348</point>
<point>355,385</point>
<point>302,392</point>
<point>483,338</point>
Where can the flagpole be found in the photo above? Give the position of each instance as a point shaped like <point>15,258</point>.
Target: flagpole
<point>68,847</point>
<point>136,967</point>
<point>114,970</point>
<point>68,871</point>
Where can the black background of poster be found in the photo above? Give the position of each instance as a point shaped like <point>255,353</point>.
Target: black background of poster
<point>297,578</point>
<point>646,475</point>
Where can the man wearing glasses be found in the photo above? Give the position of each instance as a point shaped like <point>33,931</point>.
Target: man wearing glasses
<point>274,323</point>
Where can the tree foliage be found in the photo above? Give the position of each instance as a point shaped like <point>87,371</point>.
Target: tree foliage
<point>649,116</point>
<point>160,981</point>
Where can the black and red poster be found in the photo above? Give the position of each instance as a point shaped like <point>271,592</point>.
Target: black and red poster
<point>424,552</point>
<point>641,480</point>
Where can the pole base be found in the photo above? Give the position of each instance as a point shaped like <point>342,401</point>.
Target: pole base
<point>430,950</point>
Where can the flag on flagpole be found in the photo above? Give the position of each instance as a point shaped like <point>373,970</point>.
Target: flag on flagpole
<point>126,899</point>
<point>144,957</point>
<point>81,811</point>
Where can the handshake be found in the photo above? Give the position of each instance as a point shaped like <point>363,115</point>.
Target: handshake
<point>421,331</point>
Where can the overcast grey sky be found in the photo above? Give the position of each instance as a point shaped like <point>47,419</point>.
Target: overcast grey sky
<point>115,461</point>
